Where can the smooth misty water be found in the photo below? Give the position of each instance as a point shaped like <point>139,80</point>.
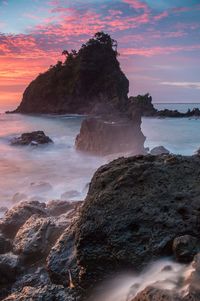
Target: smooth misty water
<point>48,172</point>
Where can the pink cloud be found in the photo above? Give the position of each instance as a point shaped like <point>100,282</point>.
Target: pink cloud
<point>136,4</point>
<point>148,52</point>
<point>161,16</point>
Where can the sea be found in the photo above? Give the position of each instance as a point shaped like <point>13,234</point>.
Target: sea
<point>59,171</point>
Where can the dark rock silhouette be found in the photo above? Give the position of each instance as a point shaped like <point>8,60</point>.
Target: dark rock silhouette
<point>90,81</point>
<point>159,150</point>
<point>33,138</point>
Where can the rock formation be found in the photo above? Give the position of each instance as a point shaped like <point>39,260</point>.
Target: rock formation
<point>33,138</point>
<point>90,81</point>
<point>103,137</point>
<point>137,210</point>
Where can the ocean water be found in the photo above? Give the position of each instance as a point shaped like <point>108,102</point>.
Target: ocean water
<point>58,171</point>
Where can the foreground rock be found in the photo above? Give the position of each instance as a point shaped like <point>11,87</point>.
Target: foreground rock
<point>134,210</point>
<point>19,214</point>
<point>45,293</point>
<point>103,137</point>
<point>33,138</point>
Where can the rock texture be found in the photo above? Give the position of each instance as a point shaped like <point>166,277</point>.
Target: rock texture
<point>103,137</point>
<point>90,81</point>
<point>33,138</point>
<point>19,214</point>
<point>134,210</point>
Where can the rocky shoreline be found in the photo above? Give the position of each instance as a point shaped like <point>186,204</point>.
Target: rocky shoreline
<point>138,210</point>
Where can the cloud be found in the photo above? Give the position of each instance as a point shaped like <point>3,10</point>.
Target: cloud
<point>191,85</point>
<point>153,51</point>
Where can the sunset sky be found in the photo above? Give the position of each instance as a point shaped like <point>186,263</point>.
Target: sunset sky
<point>159,42</point>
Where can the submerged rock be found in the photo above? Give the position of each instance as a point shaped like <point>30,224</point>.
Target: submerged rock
<point>103,137</point>
<point>19,214</point>
<point>159,150</point>
<point>34,138</point>
<point>134,210</point>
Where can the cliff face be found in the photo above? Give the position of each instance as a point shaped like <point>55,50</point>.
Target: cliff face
<point>108,137</point>
<point>89,81</point>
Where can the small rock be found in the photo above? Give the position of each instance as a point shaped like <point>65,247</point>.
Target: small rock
<point>159,150</point>
<point>37,137</point>
<point>57,207</point>
<point>185,248</point>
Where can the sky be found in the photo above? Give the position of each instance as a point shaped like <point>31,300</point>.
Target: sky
<point>158,42</point>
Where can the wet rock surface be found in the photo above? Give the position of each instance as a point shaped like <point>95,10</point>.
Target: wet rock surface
<point>134,210</point>
<point>33,138</point>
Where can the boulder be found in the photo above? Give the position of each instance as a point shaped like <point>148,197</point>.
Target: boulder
<point>34,138</point>
<point>159,150</point>
<point>134,210</point>
<point>102,137</point>
<point>44,293</point>
<point>5,244</point>
<point>185,248</point>
<point>38,234</point>
<point>10,267</point>
<point>19,214</point>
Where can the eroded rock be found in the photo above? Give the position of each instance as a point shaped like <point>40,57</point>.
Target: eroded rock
<point>159,150</point>
<point>185,248</point>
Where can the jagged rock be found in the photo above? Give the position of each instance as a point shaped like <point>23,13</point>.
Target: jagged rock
<point>88,82</point>
<point>38,137</point>
<point>35,238</point>
<point>19,214</point>
<point>143,103</point>
<point>5,244</point>
<point>62,259</point>
<point>159,150</point>
<point>43,293</point>
<point>134,209</point>
<point>185,248</point>
<point>107,137</point>
<point>10,267</point>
